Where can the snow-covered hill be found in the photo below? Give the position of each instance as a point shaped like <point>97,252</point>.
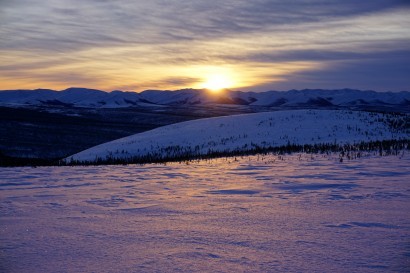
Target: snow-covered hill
<point>252,131</point>
<point>310,97</point>
<point>79,97</point>
<point>82,97</point>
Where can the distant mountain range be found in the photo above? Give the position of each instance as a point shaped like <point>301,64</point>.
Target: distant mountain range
<point>83,97</point>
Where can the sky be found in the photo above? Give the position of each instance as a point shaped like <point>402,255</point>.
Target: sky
<point>256,45</point>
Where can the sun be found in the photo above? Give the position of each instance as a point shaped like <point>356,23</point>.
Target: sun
<point>217,82</point>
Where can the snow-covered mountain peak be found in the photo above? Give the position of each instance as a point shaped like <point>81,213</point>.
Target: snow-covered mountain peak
<point>313,98</point>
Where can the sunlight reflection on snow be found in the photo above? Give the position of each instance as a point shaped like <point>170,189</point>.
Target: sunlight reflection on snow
<point>259,214</point>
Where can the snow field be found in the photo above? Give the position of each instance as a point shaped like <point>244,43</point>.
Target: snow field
<point>264,213</point>
<point>249,131</point>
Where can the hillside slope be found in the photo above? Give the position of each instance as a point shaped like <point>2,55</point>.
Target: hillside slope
<point>246,132</point>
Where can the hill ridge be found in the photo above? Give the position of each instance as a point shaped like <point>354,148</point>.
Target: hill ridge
<point>317,98</point>
<point>248,132</point>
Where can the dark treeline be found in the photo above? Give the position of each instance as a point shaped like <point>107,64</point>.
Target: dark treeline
<point>346,151</point>
<point>10,161</point>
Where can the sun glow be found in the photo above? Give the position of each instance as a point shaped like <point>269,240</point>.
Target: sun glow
<point>217,82</point>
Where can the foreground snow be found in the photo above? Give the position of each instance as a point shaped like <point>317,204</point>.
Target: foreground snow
<point>254,214</point>
<point>247,132</point>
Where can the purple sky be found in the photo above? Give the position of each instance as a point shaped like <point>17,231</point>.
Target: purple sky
<point>249,45</point>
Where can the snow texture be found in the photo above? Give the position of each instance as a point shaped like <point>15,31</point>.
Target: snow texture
<point>298,213</point>
<point>246,132</point>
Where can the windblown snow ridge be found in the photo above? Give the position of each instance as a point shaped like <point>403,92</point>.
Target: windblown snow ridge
<point>250,132</point>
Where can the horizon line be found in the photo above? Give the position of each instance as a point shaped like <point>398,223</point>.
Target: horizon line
<point>205,89</point>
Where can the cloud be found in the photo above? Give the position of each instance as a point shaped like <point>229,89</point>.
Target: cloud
<point>74,25</point>
<point>387,74</point>
<point>321,56</point>
<point>167,83</point>
<point>50,79</point>
<point>124,40</point>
